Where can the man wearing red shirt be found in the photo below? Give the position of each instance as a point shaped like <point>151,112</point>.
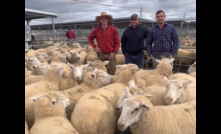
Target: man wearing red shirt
<point>108,41</point>
<point>70,34</point>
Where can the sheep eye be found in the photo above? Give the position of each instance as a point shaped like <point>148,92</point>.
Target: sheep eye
<point>53,102</point>
<point>136,109</point>
<point>179,87</point>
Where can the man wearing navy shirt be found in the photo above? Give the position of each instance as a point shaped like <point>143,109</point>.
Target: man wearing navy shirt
<point>164,37</point>
<point>132,42</point>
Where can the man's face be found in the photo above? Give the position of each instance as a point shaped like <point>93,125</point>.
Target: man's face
<point>104,21</point>
<point>160,17</point>
<point>134,22</point>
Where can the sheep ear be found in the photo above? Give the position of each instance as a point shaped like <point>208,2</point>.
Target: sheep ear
<point>143,104</point>
<point>106,62</point>
<point>92,76</point>
<point>165,79</point>
<point>157,61</point>
<point>86,65</point>
<point>171,60</point>
<point>118,66</point>
<point>148,96</point>
<point>127,92</point>
<point>186,83</point>
<point>132,83</point>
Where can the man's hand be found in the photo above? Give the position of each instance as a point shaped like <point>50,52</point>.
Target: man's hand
<point>111,57</point>
<point>97,49</point>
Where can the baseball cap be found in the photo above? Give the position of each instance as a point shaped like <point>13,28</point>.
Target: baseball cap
<point>134,16</point>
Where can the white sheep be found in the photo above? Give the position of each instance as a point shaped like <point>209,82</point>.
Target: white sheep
<point>92,56</point>
<point>32,61</point>
<point>192,68</point>
<point>95,112</point>
<point>180,88</point>
<point>50,82</point>
<point>40,69</point>
<point>50,116</point>
<point>93,80</point>
<point>66,83</point>
<point>120,59</point>
<point>143,118</point>
<point>155,76</point>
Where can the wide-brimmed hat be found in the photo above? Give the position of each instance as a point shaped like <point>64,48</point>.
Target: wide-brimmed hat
<point>104,14</point>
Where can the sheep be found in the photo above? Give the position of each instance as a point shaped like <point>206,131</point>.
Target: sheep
<point>126,74</point>
<point>192,68</point>
<point>60,57</point>
<point>98,108</point>
<point>92,56</point>
<point>193,74</point>
<point>66,67</point>
<point>143,118</point>
<point>50,82</point>
<point>40,69</point>
<point>75,46</point>
<point>93,80</point>
<point>180,88</point>
<point>184,53</point>
<point>50,116</point>
<point>119,68</point>
<point>26,128</point>
<point>77,71</point>
<point>66,83</point>
<point>155,76</point>
<point>29,79</point>
<point>88,48</point>
<point>78,56</point>
<point>31,62</point>
<point>120,59</point>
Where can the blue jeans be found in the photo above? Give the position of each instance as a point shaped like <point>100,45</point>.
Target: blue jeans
<point>135,59</point>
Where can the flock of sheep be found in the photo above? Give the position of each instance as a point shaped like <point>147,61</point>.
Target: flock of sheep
<point>68,91</point>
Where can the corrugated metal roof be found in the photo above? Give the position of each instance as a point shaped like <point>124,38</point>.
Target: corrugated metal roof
<point>37,14</point>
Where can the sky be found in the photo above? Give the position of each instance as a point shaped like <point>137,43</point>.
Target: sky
<point>85,10</point>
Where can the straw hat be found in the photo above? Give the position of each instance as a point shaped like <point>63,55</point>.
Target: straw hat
<point>109,17</point>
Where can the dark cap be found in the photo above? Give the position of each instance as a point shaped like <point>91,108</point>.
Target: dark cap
<point>134,16</point>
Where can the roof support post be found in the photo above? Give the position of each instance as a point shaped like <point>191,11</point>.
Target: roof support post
<point>53,29</point>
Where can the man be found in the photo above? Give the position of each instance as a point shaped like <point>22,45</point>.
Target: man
<point>70,35</point>
<point>108,41</point>
<point>132,42</point>
<point>164,37</point>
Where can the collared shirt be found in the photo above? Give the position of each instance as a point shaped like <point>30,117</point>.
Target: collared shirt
<point>70,34</point>
<point>166,41</point>
<point>107,40</point>
<point>132,40</point>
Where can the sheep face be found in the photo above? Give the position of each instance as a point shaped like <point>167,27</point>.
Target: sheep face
<point>131,112</point>
<point>41,68</point>
<point>32,62</point>
<point>174,89</point>
<point>75,56</point>
<point>192,68</point>
<point>103,77</point>
<point>77,71</point>
<point>125,95</point>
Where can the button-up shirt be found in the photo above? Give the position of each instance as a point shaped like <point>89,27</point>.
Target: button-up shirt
<point>166,41</point>
<point>107,40</point>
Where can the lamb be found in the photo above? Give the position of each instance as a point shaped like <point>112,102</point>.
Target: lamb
<point>98,107</point>
<point>50,116</point>
<point>77,71</point>
<point>50,82</point>
<point>40,69</point>
<point>143,118</point>
<point>184,53</point>
<point>93,80</point>
<point>180,88</point>
<point>155,76</point>
<point>192,68</point>
<point>92,56</point>
<point>32,61</point>
<point>126,74</point>
<point>120,58</point>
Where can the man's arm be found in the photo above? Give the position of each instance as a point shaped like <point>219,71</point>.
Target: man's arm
<point>175,40</point>
<point>91,38</point>
<point>123,43</point>
<point>116,41</point>
<point>149,42</point>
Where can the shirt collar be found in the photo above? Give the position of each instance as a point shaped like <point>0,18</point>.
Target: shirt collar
<point>164,25</point>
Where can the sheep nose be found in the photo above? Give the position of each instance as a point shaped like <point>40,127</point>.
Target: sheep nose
<point>120,126</point>
<point>169,100</point>
<point>117,108</point>
<point>78,78</point>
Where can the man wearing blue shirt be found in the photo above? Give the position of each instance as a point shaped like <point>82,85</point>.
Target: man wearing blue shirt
<point>132,42</point>
<point>162,40</point>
